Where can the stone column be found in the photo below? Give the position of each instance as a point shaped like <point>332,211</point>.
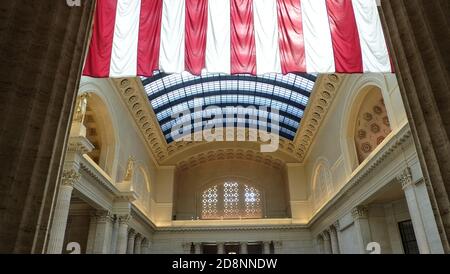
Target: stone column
<point>91,234</point>
<point>145,247</point>
<point>103,232</point>
<point>362,227</point>
<point>220,248</point>
<point>334,240</point>
<point>122,237</point>
<point>187,248</point>
<point>326,243</point>
<point>244,248</point>
<point>266,247</point>
<point>421,213</point>
<point>198,248</point>
<point>320,244</point>
<point>130,246</point>
<point>277,246</point>
<point>42,46</point>
<point>137,244</point>
<point>419,37</point>
<point>59,224</point>
<point>114,236</point>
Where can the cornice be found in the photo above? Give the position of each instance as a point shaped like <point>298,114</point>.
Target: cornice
<point>402,137</point>
<point>231,228</point>
<point>132,92</point>
<point>320,101</point>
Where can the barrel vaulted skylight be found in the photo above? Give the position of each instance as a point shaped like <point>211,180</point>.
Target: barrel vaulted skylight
<point>173,94</point>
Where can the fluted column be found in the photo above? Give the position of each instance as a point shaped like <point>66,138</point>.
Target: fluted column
<point>137,244</point>
<point>326,243</point>
<point>59,225</point>
<point>419,36</point>
<point>334,240</point>
<point>266,247</point>
<point>320,244</point>
<point>103,232</point>
<point>91,234</point>
<point>122,237</point>
<point>114,236</point>
<point>277,247</point>
<point>42,45</point>
<point>145,247</point>
<point>421,213</point>
<point>220,248</point>
<point>362,228</point>
<point>198,248</point>
<point>244,248</point>
<point>131,237</point>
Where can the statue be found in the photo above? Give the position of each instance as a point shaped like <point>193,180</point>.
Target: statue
<point>130,168</point>
<point>81,107</point>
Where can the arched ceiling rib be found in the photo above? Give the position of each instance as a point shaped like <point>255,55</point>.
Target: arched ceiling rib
<point>170,95</point>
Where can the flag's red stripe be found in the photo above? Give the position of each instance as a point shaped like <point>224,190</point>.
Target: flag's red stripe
<point>243,47</point>
<point>196,29</point>
<point>344,32</point>
<point>99,56</point>
<point>149,37</point>
<point>292,43</point>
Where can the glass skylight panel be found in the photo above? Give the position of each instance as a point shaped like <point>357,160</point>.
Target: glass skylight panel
<point>173,94</point>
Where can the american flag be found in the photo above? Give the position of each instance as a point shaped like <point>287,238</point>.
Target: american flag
<point>137,37</point>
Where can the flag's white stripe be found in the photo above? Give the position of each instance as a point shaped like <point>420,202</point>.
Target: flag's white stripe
<point>318,43</point>
<point>266,36</point>
<point>125,41</point>
<point>373,44</point>
<point>218,44</point>
<point>171,56</point>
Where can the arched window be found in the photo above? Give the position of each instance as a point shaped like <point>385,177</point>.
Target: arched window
<point>372,124</point>
<point>231,200</point>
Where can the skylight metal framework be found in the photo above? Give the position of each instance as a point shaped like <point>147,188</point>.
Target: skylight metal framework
<point>177,93</point>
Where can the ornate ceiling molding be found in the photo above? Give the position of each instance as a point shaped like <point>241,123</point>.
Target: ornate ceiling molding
<point>230,154</point>
<point>132,92</point>
<point>319,103</point>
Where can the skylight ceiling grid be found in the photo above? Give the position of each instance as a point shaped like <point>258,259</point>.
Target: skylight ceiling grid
<point>178,93</point>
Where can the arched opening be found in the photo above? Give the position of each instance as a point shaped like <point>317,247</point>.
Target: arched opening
<point>372,124</point>
<point>100,132</point>
<point>231,200</point>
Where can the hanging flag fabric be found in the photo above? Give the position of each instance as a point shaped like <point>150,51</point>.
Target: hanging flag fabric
<point>137,37</point>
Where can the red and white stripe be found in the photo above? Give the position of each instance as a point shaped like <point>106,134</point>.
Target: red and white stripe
<point>136,37</point>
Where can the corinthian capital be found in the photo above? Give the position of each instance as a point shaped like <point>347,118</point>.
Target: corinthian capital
<point>359,212</point>
<point>405,178</point>
<point>70,177</point>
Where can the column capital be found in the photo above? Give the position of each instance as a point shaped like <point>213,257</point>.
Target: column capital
<point>405,178</point>
<point>131,233</point>
<point>186,247</point>
<point>337,226</point>
<point>325,235</point>
<point>104,216</point>
<point>359,212</point>
<point>124,219</point>
<point>277,244</point>
<point>139,237</point>
<point>70,177</point>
